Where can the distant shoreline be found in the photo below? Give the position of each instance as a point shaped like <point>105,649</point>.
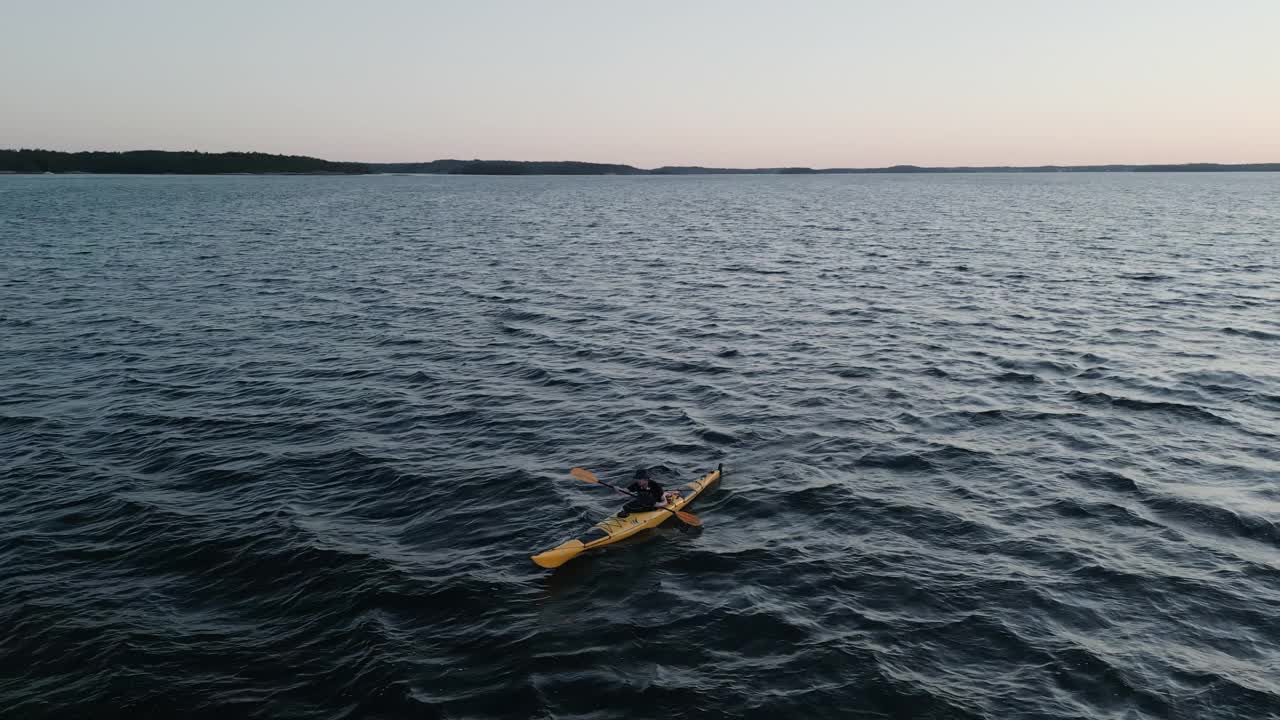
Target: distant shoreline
<point>179,173</point>
<point>519,167</point>
<point>161,162</point>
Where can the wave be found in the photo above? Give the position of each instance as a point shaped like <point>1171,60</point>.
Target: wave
<point>1249,333</point>
<point>753,270</point>
<point>1146,276</point>
<point>1215,519</point>
<point>1105,480</point>
<point>1036,366</point>
<point>1191,412</point>
<point>1017,377</point>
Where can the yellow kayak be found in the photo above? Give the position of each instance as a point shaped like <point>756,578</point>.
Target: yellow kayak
<point>614,528</point>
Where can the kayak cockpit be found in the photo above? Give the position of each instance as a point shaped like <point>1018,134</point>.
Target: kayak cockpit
<point>593,535</point>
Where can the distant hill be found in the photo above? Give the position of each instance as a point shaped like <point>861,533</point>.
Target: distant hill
<point>435,167</point>
<point>508,167</point>
<point>1209,167</point>
<point>162,162</point>
<point>698,170</point>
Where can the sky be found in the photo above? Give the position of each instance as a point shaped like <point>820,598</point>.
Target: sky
<point>820,83</point>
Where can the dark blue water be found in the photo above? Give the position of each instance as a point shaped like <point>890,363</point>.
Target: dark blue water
<point>997,446</point>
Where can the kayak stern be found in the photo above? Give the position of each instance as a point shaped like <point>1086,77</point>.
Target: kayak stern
<point>555,557</point>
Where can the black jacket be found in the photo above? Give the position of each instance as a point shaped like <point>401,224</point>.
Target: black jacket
<point>652,494</point>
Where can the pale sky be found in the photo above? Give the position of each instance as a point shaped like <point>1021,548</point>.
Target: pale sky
<point>729,83</point>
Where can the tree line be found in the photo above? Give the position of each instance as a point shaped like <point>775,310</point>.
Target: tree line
<point>162,162</point>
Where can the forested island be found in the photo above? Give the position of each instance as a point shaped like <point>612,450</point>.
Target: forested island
<point>164,162</point>
<point>199,163</point>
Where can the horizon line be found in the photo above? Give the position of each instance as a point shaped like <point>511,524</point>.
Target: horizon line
<point>588,167</point>
<point>784,167</point>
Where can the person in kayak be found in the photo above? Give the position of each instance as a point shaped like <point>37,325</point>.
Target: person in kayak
<point>649,495</point>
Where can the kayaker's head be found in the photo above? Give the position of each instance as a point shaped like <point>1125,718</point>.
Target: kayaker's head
<point>642,477</point>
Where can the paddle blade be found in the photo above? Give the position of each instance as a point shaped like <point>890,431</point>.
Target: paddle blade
<point>556,557</point>
<point>584,475</point>
<point>689,518</point>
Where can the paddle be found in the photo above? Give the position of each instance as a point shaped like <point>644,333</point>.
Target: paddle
<point>588,476</point>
